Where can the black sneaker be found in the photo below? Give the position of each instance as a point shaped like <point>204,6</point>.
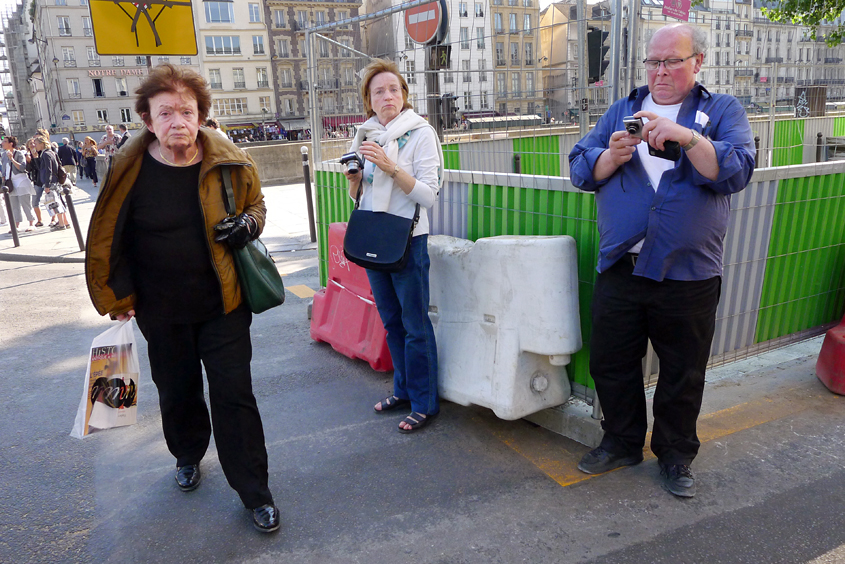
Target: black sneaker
<point>598,461</point>
<point>678,479</point>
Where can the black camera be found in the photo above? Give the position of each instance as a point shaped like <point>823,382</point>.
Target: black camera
<point>672,149</point>
<point>353,162</point>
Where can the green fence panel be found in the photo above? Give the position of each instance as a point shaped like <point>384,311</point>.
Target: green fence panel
<point>789,140</point>
<point>538,155</point>
<point>451,157</point>
<point>839,126</point>
<point>333,204</point>
<point>507,210</point>
<point>804,284</point>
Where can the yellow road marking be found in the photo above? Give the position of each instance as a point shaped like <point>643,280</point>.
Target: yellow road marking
<point>557,457</point>
<point>301,291</point>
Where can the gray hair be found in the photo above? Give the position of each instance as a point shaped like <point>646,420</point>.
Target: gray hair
<point>65,140</point>
<point>698,36</point>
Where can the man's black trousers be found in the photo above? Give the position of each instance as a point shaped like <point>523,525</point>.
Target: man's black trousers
<point>223,346</point>
<point>680,318</point>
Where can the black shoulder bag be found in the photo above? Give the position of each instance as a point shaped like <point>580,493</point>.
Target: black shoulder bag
<point>261,284</point>
<point>378,240</point>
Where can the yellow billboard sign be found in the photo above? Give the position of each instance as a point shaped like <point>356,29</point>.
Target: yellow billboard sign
<point>148,27</point>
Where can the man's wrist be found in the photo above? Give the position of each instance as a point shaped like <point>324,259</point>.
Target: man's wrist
<point>696,137</point>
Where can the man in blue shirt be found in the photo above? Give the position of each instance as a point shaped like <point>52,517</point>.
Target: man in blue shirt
<point>662,224</point>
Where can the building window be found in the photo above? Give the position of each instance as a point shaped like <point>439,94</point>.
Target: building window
<point>87,30</point>
<point>515,84</point>
<point>163,59</point>
<point>117,61</point>
<point>93,57</point>
<point>229,106</point>
<point>464,38</point>
<point>410,72</point>
<point>529,84</point>
<point>467,101</point>
<point>467,75</point>
<point>529,53</point>
<point>68,56</point>
<point>102,116</point>
<point>479,37</point>
<point>73,88</point>
<point>479,10</point>
<point>320,18</point>
<point>341,15</point>
<point>219,12</point>
<point>64,26</point>
<point>61,2</point>
<point>238,77</point>
<point>283,48</point>
<point>324,48</point>
<point>462,9</point>
<point>222,45</point>
<point>500,54</point>
<point>287,106</point>
<point>120,86</point>
<point>512,21</point>
<point>498,23</point>
<point>214,78</point>
<point>261,77</point>
<point>501,85</point>
<point>78,117</point>
<point>482,70</point>
<point>279,18</point>
<point>285,78</point>
<point>140,61</point>
<point>125,115</point>
<point>484,103</point>
<point>515,54</point>
<point>185,60</point>
<point>264,102</point>
<point>258,44</point>
<point>349,76</point>
<point>302,19</point>
<point>254,13</point>
<point>345,52</point>
<point>526,23</point>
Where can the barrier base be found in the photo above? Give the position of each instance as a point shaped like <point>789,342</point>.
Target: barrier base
<point>830,367</point>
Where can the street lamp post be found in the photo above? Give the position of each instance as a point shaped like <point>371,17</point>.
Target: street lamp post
<point>263,127</point>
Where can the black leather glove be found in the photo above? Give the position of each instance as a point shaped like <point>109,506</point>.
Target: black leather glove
<point>235,231</point>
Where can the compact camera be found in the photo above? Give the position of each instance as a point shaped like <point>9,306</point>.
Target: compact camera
<point>671,149</point>
<point>353,162</point>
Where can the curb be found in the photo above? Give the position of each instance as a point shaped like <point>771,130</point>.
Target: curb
<point>39,258</point>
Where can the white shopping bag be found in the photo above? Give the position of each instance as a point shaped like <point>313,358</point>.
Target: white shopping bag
<point>110,392</point>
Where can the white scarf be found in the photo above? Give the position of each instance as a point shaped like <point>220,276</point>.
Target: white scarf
<point>386,137</point>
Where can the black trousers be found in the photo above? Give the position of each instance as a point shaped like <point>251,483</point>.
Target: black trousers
<point>223,346</point>
<point>680,318</point>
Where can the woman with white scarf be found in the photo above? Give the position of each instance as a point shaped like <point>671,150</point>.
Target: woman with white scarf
<point>14,168</point>
<point>403,167</point>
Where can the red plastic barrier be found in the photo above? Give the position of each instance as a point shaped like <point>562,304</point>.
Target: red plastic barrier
<point>347,274</point>
<point>830,368</point>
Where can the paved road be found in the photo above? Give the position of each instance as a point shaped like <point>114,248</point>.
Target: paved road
<point>471,488</point>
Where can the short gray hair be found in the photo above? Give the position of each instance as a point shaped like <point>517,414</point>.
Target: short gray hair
<point>65,140</point>
<point>698,36</point>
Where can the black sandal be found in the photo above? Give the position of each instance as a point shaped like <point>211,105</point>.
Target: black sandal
<point>417,421</point>
<point>389,403</point>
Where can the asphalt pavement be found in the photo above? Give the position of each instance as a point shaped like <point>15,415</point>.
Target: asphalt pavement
<point>351,489</point>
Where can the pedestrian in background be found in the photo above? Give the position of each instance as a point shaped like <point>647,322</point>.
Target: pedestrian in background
<point>80,168</point>
<point>108,143</point>
<point>662,223</point>
<point>89,151</point>
<point>124,136</point>
<point>403,167</point>
<point>67,158</point>
<point>48,174</point>
<point>32,163</point>
<point>169,227</point>
<point>13,164</point>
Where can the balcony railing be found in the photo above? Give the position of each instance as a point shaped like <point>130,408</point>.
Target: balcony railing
<point>744,33</point>
<point>743,72</point>
<point>514,61</point>
<point>240,84</point>
<point>774,59</point>
<point>286,84</point>
<point>263,84</point>
<point>303,85</point>
<point>65,32</point>
<point>70,63</point>
<point>216,85</point>
<point>93,62</point>
<point>117,62</point>
<point>500,62</point>
<point>75,95</point>
<point>829,60</point>
<point>87,31</point>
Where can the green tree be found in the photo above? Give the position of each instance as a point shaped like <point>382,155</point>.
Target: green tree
<point>812,14</point>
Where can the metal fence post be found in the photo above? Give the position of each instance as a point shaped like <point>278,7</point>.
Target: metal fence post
<point>306,170</point>
<point>72,211</point>
<point>15,239</point>
<point>757,154</point>
<point>819,147</point>
<point>517,165</point>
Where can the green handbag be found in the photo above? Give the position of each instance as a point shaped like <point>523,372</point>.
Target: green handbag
<point>261,284</point>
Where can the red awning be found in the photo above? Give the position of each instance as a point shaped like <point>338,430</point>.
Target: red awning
<point>336,121</point>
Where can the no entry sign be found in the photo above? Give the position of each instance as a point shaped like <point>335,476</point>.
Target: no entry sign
<point>423,22</point>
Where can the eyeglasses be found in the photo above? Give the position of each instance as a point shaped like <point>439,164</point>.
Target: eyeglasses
<point>670,64</point>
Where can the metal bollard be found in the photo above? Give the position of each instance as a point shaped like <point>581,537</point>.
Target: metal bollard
<point>597,414</point>
<point>306,170</point>
<point>757,154</point>
<point>72,211</point>
<point>517,164</point>
<point>15,239</point>
<point>819,147</point>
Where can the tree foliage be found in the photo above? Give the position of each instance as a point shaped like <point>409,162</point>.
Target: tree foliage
<point>812,14</point>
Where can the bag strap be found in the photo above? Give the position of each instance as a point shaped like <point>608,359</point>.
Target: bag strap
<point>229,200</point>
<point>358,202</point>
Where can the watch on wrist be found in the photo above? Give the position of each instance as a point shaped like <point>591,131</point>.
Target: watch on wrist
<point>395,171</point>
<point>696,137</point>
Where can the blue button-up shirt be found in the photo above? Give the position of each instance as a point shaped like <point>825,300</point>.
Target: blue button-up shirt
<point>683,223</point>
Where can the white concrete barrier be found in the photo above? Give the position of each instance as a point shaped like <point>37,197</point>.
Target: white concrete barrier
<point>505,314</point>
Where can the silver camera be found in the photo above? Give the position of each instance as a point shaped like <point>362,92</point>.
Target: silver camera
<point>634,126</point>
<point>353,162</point>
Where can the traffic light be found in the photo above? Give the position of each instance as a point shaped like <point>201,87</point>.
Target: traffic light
<point>2,131</point>
<point>596,51</point>
<point>449,110</point>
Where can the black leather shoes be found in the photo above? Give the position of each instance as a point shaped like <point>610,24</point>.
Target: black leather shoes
<point>266,518</point>
<point>188,477</point>
<point>678,479</point>
<point>598,461</point>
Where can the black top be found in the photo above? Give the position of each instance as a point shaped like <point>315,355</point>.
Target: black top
<point>172,268</point>
<point>67,155</point>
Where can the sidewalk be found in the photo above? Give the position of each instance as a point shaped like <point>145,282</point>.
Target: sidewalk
<point>286,228</point>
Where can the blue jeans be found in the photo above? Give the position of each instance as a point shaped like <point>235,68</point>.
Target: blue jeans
<point>402,302</point>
